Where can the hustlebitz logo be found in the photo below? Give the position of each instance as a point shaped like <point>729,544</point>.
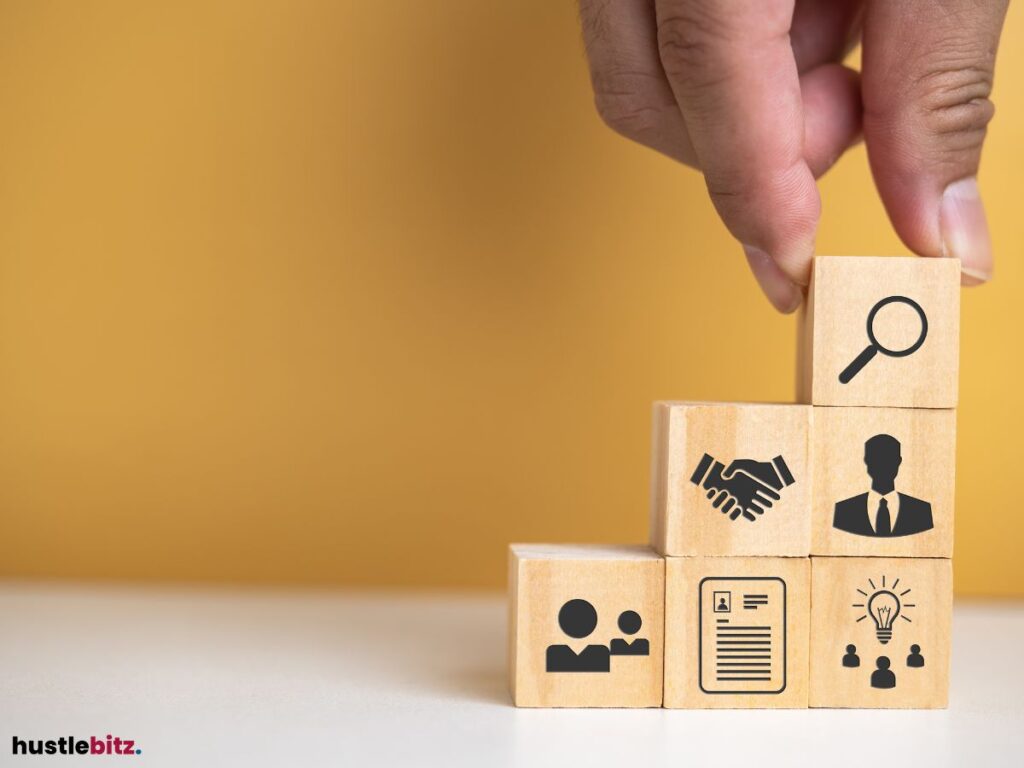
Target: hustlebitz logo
<point>69,745</point>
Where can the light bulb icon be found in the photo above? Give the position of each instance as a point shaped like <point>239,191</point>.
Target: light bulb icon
<point>884,604</point>
<point>883,608</point>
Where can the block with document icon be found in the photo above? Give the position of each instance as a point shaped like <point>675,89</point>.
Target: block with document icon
<point>736,632</point>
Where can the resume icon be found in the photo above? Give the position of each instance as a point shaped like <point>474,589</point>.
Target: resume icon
<point>742,644</point>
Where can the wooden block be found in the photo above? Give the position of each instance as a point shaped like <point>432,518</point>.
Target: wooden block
<point>736,632</point>
<point>880,632</point>
<point>586,625</point>
<point>907,453</point>
<point>861,327</point>
<point>731,479</point>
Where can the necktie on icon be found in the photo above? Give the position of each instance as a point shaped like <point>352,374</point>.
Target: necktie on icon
<point>883,523</point>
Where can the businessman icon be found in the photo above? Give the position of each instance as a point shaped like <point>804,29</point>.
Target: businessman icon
<point>882,512</point>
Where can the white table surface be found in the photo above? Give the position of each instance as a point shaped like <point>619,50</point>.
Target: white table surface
<point>288,678</point>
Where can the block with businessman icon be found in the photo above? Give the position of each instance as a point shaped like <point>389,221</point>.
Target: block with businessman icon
<point>881,331</point>
<point>731,479</point>
<point>885,483</point>
<point>586,625</point>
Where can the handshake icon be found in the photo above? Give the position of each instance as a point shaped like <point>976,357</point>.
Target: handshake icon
<point>746,487</point>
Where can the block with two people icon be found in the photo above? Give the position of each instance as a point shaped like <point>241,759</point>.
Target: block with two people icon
<point>586,625</point>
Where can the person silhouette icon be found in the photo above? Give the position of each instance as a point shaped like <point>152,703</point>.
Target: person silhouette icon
<point>883,677</point>
<point>851,659</point>
<point>721,605</point>
<point>630,623</point>
<point>578,618</point>
<point>882,512</point>
<point>915,659</point>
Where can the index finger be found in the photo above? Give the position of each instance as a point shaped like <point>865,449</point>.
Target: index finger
<point>732,70</point>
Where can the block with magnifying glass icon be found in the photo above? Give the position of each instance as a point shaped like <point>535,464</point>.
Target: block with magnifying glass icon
<point>731,479</point>
<point>881,331</point>
<point>586,625</point>
<point>880,632</point>
<point>886,482</point>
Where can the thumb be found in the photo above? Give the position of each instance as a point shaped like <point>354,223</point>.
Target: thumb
<point>927,78</point>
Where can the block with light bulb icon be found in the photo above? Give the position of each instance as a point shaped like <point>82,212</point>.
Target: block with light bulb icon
<point>880,632</point>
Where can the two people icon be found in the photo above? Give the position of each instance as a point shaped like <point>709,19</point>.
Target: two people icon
<point>578,619</point>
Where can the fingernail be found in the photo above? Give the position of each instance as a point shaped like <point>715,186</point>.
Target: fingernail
<point>964,231</point>
<point>782,292</point>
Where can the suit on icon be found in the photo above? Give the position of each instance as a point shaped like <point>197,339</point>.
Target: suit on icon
<point>854,515</point>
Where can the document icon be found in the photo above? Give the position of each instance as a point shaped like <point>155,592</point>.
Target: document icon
<point>742,644</point>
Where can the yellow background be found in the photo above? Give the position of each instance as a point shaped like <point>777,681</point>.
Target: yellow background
<point>359,292</point>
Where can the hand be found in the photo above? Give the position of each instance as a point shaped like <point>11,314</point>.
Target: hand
<point>774,473</point>
<point>746,487</point>
<point>751,495</point>
<point>752,92</point>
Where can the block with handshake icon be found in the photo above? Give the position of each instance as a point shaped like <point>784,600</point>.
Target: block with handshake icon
<point>731,479</point>
<point>745,488</point>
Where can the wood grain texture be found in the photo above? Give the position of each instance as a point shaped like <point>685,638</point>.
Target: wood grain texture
<point>833,332</point>
<point>684,521</point>
<point>613,579</point>
<point>695,646</point>
<point>926,472</point>
<point>841,591</point>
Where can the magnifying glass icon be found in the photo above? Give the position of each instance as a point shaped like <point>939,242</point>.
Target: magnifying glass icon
<point>874,347</point>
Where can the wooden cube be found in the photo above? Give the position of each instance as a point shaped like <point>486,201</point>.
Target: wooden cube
<point>586,625</point>
<point>880,632</point>
<point>880,331</point>
<point>731,479</point>
<point>736,632</point>
<point>885,481</point>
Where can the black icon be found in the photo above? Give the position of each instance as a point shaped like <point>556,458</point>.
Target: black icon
<point>740,652</point>
<point>751,601</point>
<point>851,659</point>
<point>630,623</point>
<point>883,677</point>
<point>578,619</point>
<point>915,659</point>
<point>883,607</point>
<point>879,512</point>
<point>746,487</point>
<point>874,347</point>
<point>723,602</point>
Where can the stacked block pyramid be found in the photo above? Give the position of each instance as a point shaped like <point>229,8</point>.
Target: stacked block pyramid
<point>800,554</point>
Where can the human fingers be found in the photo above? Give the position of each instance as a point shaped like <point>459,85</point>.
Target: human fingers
<point>927,78</point>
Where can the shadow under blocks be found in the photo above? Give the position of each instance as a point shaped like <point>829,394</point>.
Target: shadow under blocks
<point>800,553</point>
